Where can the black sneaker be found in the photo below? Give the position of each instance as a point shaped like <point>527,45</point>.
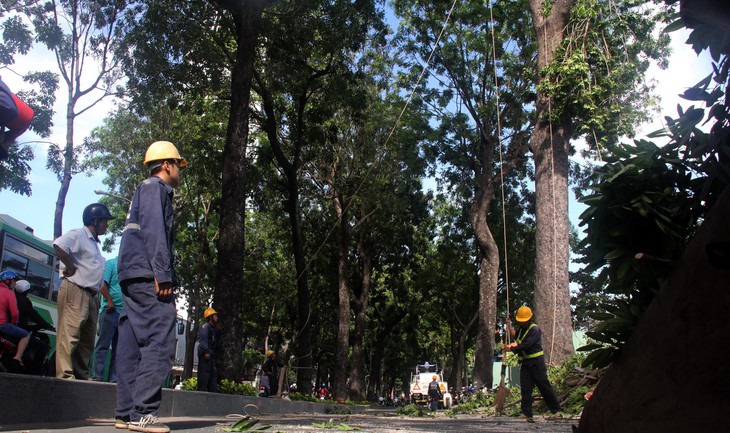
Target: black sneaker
<point>121,422</point>
<point>148,424</point>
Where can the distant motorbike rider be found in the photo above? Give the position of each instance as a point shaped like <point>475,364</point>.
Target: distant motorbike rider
<point>9,317</point>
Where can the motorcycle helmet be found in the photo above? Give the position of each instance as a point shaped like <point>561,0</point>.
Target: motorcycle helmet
<point>95,212</point>
<point>22,286</point>
<point>8,275</point>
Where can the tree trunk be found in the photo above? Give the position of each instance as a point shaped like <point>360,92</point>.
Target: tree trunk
<point>460,354</point>
<point>673,374</point>
<point>304,308</point>
<point>488,266</point>
<point>357,371</point>
<point>339,376</point>
<point>68,157</point>
<point>376,365</point>
<point>549,144</point>
<point>229,287</point>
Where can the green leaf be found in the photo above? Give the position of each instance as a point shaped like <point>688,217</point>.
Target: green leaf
<point>674,26</point>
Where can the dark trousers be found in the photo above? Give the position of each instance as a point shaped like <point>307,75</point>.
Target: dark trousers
<point>534,372</point>
<point>145,349</point>
<point>108,337</point>
<point>207,375</point>
<point>433,403</point>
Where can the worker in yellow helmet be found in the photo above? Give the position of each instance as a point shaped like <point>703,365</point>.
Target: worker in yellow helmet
<point>270,369</point>
<point>527,345</point>
<point>207,340</point>
<point>146,346</point>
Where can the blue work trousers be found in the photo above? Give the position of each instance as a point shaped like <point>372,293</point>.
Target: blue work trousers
<point>207,375</point>
<point>534,372</point>
<point>108,333</point>
<point>145,350</point>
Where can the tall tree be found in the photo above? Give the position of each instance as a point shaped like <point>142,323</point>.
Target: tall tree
<point>246,16</point>
<point>298,84</point>
<point>475,159</point>
<point>591,62</point>
<point>83,35</point>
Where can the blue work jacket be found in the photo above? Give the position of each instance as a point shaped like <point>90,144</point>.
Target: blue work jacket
<point>146,247</point>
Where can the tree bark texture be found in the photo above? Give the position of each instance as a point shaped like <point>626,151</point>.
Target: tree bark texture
<point>673,374</point>
<point>229,285</point>
<point>68,158</point>
<point>357,369</point>
<point>488,268</point>
<point>549,144</point>
<point>339,380</point>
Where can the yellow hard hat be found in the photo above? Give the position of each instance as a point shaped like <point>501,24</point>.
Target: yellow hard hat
<point>162,150</point>
<point>209,312</point>
<point>524,314</point>
<point>269,352</point>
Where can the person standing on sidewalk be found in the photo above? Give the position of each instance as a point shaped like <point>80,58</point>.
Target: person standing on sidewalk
<point>207,341</point>
<point>146,346</point>
<point>528,347</point>
<point>78,300</point>
<point>108,324</point>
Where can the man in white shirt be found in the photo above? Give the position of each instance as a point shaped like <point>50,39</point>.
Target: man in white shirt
<point>78,300</point>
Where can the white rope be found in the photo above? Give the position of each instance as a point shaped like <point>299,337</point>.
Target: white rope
<point>501,161</point>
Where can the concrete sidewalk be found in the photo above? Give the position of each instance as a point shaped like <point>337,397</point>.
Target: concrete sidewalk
<point>312,423</point>
<point>31,399</point>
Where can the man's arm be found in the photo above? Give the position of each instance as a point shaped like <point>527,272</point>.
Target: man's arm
<point>152,223</point>
<point>66,260</point>
<point>105,293</point>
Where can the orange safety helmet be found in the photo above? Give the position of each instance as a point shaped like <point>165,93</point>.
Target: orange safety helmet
<point>435,377</point>
<point>209,312</point>
<point>524,314</point>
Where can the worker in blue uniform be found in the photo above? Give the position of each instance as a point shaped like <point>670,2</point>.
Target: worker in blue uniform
<point>146,345</point>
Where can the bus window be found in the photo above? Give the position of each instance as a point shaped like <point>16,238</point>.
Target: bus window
<point>28,251</point>
<point>40,277</point>
<point>14,262</point>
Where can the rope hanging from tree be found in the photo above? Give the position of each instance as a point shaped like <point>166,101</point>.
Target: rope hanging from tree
<point>501,161</point>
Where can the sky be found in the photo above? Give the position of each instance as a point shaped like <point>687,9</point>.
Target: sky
<point>685,69</point>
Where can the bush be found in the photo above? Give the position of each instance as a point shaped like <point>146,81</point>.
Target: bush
<point>472,405</point>
<point>190,384</point>
<point>298,396</point>
<point>226,386</point>
<point>412,410</point>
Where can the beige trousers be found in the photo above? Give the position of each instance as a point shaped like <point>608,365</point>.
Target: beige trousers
<point>78,314</point>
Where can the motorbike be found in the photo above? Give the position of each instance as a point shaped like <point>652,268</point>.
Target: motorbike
<point>264,386</point>
<point>34,357</point>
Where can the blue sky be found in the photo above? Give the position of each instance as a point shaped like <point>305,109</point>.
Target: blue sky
<point>37,211</point>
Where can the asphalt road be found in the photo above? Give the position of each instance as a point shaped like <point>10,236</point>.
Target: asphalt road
<point>305,424</point>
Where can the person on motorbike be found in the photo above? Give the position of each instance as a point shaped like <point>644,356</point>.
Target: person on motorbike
<point>29,317</point>
<point>9,316</point>
<point>31,321</point>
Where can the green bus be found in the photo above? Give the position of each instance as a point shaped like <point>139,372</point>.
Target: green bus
<point>33,259</point>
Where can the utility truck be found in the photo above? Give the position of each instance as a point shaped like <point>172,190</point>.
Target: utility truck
<point>421,378</point>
